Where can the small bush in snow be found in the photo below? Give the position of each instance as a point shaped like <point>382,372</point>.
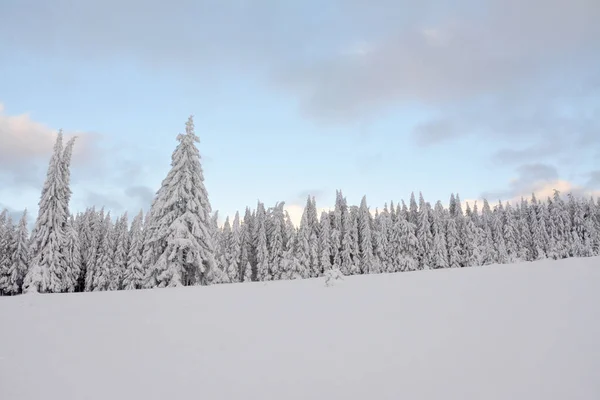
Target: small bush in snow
<point>333,275</point>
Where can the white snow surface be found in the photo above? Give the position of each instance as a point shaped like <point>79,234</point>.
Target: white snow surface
<point>525,331</point>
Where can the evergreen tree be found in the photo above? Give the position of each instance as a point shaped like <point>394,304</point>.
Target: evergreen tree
<point>7,246</point>
<point>405,245</point>
<point>275,239</point>
<point>49,270</point>
<point>103,273</point>
<point>325,258</point>
<point>314,238</point>
<point>182,232</point>
<point>303,245</point>
<point>472,239</point>
<point>354,248</point>
<point>231,267</point>
<point>72,255</point>
<point>525,239</point>
<point>120,253</point>
<point>260,240</point>
<point>336,233</point>
<point>96,221</point>
<point>19,259</point>
<point>248,272</point>
<point>439,247</point>
<point>413,213</point>
<point>236,243</point>
<point>381,234</point>
<point>510,234</point>
<point>246,247</point>
<point>453,243</point>
<point>424,236</point>
<point>83,229</point>
<point>133,276</point>
<point>365,240</point>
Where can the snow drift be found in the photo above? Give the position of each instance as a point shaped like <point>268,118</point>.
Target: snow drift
<point>525,331</point>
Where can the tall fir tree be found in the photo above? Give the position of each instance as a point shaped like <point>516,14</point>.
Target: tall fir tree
<point>236,245</point>
<point>133,275</point>
<point>381,234</point>
<point>182,232</point>
<point>276,239</point>
<point>325,257</point>
<point>365,240</point>
<point>103,273</point>
<point>49,270</point>
<point>121,251</point>
<point>96,221</point>
<point>231,267</point>
<point>439,247</point>
<point>303,243</point>
<point>260,240</point>
<point>424,235</point>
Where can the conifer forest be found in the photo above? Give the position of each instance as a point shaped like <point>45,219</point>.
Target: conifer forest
<point>179,243</point>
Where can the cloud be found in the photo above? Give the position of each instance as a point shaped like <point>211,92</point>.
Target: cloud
<point>316,193</point>
<point>541,180</point>
<point>594,181</point>
<point>26,146</point>
<point>143,194</point>
<point>109,202</point>
<point>502,48</point>
<point>436,131</point>
<point>517,156</point>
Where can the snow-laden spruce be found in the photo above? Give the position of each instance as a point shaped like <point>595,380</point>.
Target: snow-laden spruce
<point>133,275</point>
<point>179,249</point>
<point>50,270</point>
<point>14,254</point>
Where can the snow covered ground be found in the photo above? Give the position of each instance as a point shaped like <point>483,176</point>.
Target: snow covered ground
<point>527,331</point>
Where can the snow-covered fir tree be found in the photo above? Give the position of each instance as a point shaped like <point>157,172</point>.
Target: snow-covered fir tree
<point>325,258</point>
<point>380,234</point>
<point>49,269</point>
<point>7,245</point>
<point>121,251</point>
<point>16,251</point>
<point>405,246</point>
<point>439,258</point>
<point>303,244</point>
<point>181,230</point>
<point>453,244</point>
<point>276,239</point>
<point>236,246</point>
<point>509,232</point>
<point>133,274</point>
<point>367,261</point>
<point>103,272</point>
<point>354,241</point>
<point>231,268</point>
<point>424,235</point>
<point>73,254</point>
<point>96,223</point>
<point>260,240</point>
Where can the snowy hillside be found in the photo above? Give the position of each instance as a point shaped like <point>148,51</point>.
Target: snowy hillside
<point>526,331</point>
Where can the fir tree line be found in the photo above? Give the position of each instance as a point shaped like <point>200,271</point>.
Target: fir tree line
<point>178,242</point>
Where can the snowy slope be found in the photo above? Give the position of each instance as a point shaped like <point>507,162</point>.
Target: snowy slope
<point>527,331</point>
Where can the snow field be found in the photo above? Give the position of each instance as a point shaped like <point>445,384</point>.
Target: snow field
<point>523,331</point>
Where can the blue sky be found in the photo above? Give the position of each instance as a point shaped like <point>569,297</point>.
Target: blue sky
<point>379,97</point>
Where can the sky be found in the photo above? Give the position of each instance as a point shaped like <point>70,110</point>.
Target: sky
<point>486,98</point>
